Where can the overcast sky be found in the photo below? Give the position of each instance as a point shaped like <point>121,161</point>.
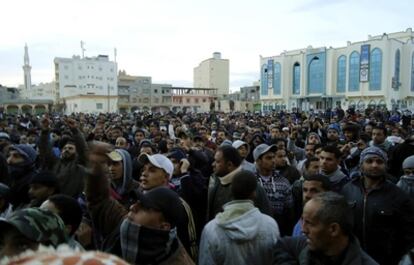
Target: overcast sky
<point>166,39</point>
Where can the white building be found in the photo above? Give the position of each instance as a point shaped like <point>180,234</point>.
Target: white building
<point>378,71</point>
<point>87,84</point>
<point>42,91</point>
<point>213,73</point>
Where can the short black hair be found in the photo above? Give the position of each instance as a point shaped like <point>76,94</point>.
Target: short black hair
<point>334,209</point>
<point>244,184</point>
<point>310,160</point>
<point>69,210</point>
<point>230,154</point>
<point>326,183</point>
<point>333,150</point>
<point>380,127</point>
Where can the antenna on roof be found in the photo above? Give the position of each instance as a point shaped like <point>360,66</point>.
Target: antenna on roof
<point>83,49</point>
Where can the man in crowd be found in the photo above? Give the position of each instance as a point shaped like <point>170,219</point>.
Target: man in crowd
<point>330,159</point>
<point>276,186</point>
<point>327,225</point>
<point>240,234</point>
<point>70,167</point>
<point>226,165</point>
<point>243,149</point>
<point>384,215</point>
<point>312,185</point>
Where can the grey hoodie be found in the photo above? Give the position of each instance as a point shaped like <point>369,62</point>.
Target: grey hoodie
<point>239,235</point>
<point>127,177</point>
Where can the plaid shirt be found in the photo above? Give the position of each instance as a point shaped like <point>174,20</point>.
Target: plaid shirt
<point>278,191</point>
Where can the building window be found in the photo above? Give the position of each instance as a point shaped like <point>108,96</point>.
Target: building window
<point>264,83</point>
<point>99,106</point>
<point>316,75</point>
<point>412,72</point>
<point>277,79</point>
<point>66,77</point>
<point>66,67</point>
<point>204,100</point>
<point>296,79</point>
<point>353,83</point>
<point>188,100</point>
<point>196,100</point>
<point>341,74</point>
<point>375,69</point>
<point>397,69</point>
<point>155,91</point>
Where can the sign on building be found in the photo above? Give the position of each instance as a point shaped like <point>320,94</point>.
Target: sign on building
<point>364,63</point>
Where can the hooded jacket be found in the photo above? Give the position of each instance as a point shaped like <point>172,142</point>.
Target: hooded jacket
<point>124,192</point>
<point>406,183</point>
<point>239,235</point>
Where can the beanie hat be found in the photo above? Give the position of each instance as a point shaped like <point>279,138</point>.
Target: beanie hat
<point>372,151</point>
<point>27,151</point>
<point>408,162</point>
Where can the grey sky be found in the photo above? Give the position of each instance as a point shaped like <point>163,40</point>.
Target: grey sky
<point>167,39</point>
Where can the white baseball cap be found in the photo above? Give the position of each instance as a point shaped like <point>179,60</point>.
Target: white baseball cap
<point>159,161</point>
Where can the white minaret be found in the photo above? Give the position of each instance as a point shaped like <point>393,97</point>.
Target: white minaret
<point>26,69</point>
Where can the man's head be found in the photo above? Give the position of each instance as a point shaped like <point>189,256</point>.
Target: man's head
<point>159,208</point>
<point>244,185</point>
<point>333,133</point>
<point>373,163</point>
<point>312,166</point>
<point>314,184</point>
<point>313,138</point>
<point>69,149</point>
<point>309,150</point>
<point>157,171</point>
<point>115,165</point>
<point>176,155</point>
<point>116,132</point>
<point>27,228</point>
<point>327,220</point>
<point>43,185</point>
<point>121,142</point>
<point>408,166</point>
<point>281,159</point>
<point>330,159</point>
<point>226,159</point>
<point>68,210</point>
<point>21,155</point>
<point>242,148</point>
<point>379,134</point>
<point>264,156</point>
<point>139,136</point>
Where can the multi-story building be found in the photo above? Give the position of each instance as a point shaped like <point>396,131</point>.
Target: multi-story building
<point>134,92</point>
<point>43,91</point>
<point>87,84</point>
<point>378,71</point>
<point>193,99</point>
<point>213,73</point>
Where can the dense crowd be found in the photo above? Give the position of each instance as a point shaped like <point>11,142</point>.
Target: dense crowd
<point>331,187</point>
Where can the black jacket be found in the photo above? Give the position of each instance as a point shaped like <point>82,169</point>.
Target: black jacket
<point>383,220</point>
<point>294,250</point>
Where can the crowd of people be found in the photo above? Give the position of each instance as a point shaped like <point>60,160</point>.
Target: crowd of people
<point>327,187</point>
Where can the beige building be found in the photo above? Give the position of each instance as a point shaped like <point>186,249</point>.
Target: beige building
<point>213,73</point>
<point>378,71</point>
